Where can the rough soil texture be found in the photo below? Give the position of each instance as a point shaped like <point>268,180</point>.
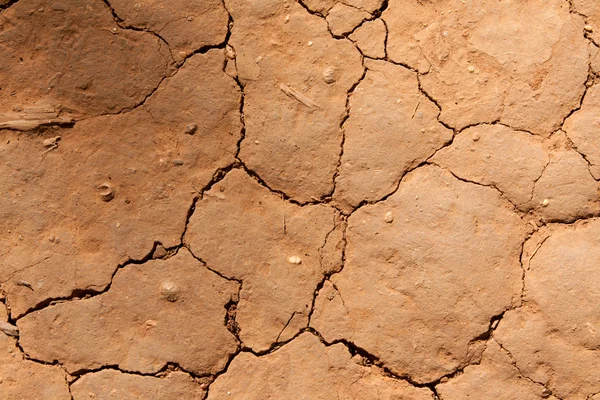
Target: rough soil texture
<point>300,199</point>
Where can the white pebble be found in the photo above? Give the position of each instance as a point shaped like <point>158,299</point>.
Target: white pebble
<point>295,260</point>
<point>389,217</point>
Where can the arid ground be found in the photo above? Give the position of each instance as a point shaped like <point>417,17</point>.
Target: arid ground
<point>300,199</point>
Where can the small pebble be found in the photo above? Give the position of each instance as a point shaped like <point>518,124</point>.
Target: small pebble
<point>191,129</point>
<point>475,137</point>
<point>545,202</point>
<point>170,291</point>
<point>389,217</point>
<point>51,142</point>
<point>471,68</point>
<point>150,323</point>
<point>329,75</point>
<point>230,52</point>
<point>177,162</point>
<point>9,329</point>
<point>106,192</point>
<point>588,28</point>
<point>295,260</point>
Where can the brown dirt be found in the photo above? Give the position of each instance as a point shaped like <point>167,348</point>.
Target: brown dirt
<point>300,199</point>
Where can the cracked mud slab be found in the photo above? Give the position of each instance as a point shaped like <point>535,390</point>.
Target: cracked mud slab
<point>159,312</point>
<point>72,55</point>
<point>553,338</point>
<point>234,229</point>
<point>299,199</point>
<point>436,242</point>
<point>522,63</point>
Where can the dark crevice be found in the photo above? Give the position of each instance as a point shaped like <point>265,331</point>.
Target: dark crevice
<point>345,118</point>
<point>328,275</point>
<point>140,104</point>
<point>8,5</point>
<point>230,316</point>
<point>523,273</point>
<point>308,10</point>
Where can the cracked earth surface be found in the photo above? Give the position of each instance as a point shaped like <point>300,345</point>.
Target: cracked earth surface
<point>300,199</point>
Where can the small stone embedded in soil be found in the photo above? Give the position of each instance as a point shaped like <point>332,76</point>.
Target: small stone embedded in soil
<point>295,260</point>
<point>106,192</point>
<point>50,142</point>
<point>108,329</point>
<point>389,217</point>
<point>306,367</point>
<point>170,291</point>
<point>9,329</point>
<point>329,75</point>
<point>190,129</point>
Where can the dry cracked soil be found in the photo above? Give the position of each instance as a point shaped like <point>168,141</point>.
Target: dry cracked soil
<point>300,199</point>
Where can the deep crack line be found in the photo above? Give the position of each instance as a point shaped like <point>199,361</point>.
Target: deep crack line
<point>9,4</point>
